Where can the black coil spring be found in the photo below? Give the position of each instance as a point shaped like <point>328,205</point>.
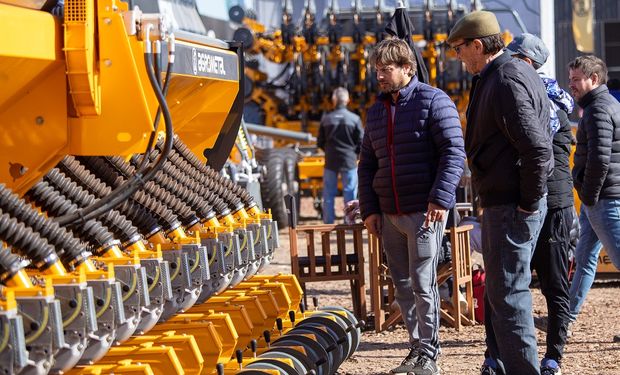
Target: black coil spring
<point>139,215</point>
<point>117,223</point>
<point>215,189</point>
<point>182,149</point>
<point>171,181</point>
<point>71,251</point>
<point>27,242</point>
<point>10,264</point>
<point>166,217</point>
<point>185,212</point>
<point>55,204</point>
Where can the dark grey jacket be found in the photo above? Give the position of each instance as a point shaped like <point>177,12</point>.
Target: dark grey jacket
<point>340,136</point>
<point>507,139</point>
<point>596,172</point>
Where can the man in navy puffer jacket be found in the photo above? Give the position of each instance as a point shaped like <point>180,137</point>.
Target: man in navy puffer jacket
<point>411,161</point>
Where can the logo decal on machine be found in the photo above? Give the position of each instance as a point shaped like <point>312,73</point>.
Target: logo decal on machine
<point>206,62</point>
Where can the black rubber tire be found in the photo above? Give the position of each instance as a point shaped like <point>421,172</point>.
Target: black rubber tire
<point>280,179</point>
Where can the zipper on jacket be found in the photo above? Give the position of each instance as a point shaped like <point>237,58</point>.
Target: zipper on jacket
<point>390,144</point>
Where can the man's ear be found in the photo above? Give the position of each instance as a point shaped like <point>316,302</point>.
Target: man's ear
<point>595,79</point>
<point>407,69</point>
<point>478,44</point>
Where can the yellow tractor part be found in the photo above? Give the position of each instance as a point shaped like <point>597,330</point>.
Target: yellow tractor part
<point>162,359</point>
<point>111,104</point>
<point>185,346</point>
<point>124,367</point>
<point>254,308</point>
<point>205,334</point>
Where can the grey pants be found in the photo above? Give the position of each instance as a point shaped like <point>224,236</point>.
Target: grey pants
<point>411,251</point>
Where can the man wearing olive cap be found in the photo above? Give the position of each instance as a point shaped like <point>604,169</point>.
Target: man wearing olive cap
<point>508,147</point>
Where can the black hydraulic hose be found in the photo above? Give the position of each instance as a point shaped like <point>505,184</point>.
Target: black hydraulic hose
<point>169,218</point>
<point>27,242</point>
<point>10,264</point>
<point>117,223</point>
<point>55,204</point>
<point>71,251</point>
<point>186,213</point>
<point>132,185</point>
<point>149,147</point>
<point>139,215</point>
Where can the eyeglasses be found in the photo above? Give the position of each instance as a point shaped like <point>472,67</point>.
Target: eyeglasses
<point>457,48</point>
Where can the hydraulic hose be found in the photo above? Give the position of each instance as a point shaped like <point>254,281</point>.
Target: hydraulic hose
<point>186,213</point>
<point>156,201</point>
<point>70,250</point>
<point>143,218</point>
<point>117,223</point>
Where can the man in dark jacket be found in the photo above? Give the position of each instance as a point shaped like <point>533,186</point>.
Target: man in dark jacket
<point>596,173</point>
<point>411,162</point>
<point>340,136</point>
<point>509,153</point>
<point>550,258</point>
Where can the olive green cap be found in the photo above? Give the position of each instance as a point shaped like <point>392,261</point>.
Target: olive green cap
<point>474,25</point>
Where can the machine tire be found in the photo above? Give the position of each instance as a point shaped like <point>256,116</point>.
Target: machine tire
<point>279,180</point>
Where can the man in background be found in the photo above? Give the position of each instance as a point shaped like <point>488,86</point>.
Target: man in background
<point>340,137</point>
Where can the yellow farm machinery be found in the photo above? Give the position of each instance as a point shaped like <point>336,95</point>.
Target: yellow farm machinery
<point>123,248</point>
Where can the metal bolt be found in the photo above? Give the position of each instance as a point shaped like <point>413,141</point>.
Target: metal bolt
<point>107,62</point>
<point>39,120</point>
<point>107,21</point>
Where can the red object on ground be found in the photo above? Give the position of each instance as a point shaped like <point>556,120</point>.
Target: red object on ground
<point>478,278</point>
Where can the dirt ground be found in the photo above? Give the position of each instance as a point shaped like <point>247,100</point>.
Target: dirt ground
<point>591,349</point>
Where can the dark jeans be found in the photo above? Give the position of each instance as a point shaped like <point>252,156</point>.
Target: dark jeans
<point>551,264</point>
<point>508,240</point>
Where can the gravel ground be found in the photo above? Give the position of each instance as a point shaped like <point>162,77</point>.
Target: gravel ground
<point>590,350</point>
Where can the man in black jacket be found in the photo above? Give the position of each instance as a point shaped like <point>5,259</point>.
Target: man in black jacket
<point>596,173</point>
<point>550,258</point>
<point>340,136</point>
<point>509,152</point>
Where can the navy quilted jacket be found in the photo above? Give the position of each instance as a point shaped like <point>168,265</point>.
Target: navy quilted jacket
<point>417,160</point>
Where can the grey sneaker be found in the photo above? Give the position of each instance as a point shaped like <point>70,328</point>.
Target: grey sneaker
<point>408,364</point>
<point>425,366</point>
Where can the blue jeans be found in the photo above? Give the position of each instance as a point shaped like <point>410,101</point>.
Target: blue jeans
<point>508,240</point>
<point>330,189</point>
<point>599,226</point>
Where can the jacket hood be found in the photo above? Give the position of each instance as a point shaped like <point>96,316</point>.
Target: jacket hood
<point>557,95</point>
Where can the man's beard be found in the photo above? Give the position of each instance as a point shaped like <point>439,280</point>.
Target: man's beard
<point>391,89</point>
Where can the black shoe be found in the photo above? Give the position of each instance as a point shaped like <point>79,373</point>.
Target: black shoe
<point>425,366</point>
<point>408,364</point>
